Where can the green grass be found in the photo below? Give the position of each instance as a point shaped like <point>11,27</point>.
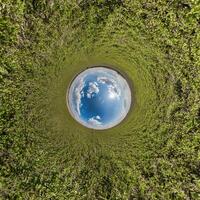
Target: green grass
<point>46,154</point>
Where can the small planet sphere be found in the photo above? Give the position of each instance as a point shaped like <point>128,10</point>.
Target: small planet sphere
<point>99,98</point>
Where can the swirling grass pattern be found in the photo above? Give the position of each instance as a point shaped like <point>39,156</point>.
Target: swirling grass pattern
<point>154,153</point>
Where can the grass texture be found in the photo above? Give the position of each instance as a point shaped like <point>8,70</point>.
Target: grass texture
<point>153,154</point>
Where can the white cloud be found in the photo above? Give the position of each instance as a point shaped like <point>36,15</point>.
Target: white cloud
<point>94,121</point>
<point>113,93</point>
<point>79,94</point>
<point>98,117</point>
<point>113,88</point>
<point>93,88</point>
<point>102,80</point>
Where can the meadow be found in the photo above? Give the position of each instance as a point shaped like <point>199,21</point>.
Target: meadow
<point>153,154</point>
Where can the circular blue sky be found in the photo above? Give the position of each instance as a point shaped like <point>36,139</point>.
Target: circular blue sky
<point>99,98</point>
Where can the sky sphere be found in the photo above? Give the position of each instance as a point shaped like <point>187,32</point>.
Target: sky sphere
<point>99,98</point>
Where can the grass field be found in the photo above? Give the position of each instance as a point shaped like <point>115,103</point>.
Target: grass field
<point>153,154</point>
